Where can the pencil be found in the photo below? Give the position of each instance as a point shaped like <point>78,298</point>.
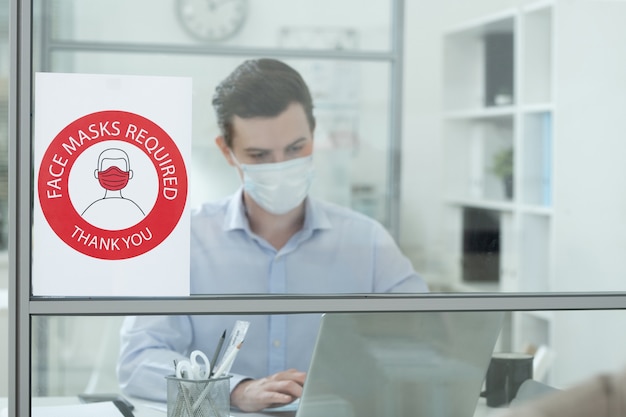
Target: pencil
<point>220,343</point>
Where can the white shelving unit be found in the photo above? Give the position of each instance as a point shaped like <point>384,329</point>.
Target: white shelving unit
<point>562,228</point>
<point>482,121</point>
<point>498,98</point>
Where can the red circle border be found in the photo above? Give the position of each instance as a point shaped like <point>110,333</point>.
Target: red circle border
<point>76,232</point>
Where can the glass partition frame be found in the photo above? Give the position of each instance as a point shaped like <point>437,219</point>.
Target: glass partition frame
<point>23,306</point>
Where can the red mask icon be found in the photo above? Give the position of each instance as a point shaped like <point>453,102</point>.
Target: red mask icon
<point>113,178</point>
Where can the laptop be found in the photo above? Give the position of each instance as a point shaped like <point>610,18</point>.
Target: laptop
<point>418,364</point>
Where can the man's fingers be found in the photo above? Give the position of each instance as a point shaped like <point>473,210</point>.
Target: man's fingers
<point>275,399</point>
<point>277,389</point>
<point>289,375</point>
<point>289,387</point>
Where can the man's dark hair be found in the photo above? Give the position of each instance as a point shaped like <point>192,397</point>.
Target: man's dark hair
<point>259,88</point>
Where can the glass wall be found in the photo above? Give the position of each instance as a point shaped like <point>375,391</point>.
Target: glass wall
<point>277,23</point>
<point>485,179</point>
<point>80,354</point>
<point>352,96</point>
<point>351,109</point>
<point>473,128</point>
<point>496,115</point>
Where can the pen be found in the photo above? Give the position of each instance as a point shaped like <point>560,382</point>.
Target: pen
<point>218,349</point>
<point>175,366</point>
<point>227,361</point>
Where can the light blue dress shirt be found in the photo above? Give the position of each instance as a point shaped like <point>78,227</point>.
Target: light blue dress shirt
<point>336,251</point>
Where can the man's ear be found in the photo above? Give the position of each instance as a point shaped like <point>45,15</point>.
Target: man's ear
<point>221,143</point>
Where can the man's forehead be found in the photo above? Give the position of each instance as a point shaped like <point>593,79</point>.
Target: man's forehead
<point>276,132</point>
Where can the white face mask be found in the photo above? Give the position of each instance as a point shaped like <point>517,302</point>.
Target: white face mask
<point>278,187</point>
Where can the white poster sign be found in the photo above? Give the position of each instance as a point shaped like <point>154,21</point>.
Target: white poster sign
<point>111,183</point>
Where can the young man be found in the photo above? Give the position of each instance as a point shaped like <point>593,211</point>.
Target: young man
<point>270,237</point>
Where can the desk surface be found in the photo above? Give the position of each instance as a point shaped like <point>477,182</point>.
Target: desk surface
<point>481,411</point>
<point>148,409</point>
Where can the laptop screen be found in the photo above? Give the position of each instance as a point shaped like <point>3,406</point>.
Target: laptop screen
<point>399,364</point>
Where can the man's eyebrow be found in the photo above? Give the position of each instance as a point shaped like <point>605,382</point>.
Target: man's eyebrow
<point>253,149</point>
<point>296,142</point>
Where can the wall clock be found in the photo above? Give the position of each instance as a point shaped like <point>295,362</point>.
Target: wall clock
<point>211,20</point>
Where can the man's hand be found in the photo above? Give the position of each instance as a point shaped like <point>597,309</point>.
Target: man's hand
<point>272,391</point>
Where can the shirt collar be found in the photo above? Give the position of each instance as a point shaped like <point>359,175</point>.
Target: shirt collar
<point>315,218</point>
<point>235,217</point>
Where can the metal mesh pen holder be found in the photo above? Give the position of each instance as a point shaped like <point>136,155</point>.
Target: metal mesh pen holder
<point>198,398</point>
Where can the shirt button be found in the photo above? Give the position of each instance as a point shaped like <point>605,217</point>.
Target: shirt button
<point>276,343</point>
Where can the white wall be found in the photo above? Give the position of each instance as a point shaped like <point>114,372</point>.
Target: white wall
<point>589,219</point>
<point>421,173</point>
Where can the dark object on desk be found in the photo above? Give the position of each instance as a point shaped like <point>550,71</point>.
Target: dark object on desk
<point>123,407</point>
<point>505,374</point>
<point>116,398</point>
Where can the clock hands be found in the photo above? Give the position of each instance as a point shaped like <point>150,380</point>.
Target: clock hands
<point>214,4</point>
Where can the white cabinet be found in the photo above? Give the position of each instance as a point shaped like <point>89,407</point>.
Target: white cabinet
<point>557,106</point>
<point>498,136</point>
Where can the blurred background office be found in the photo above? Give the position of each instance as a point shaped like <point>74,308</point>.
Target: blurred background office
<point>486,135</point>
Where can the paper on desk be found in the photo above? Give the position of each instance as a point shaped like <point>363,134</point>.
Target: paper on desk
<point>155,406</point>
<point>104,409</point>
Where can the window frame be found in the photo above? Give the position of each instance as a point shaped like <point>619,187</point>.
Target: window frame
<point>23,306</point>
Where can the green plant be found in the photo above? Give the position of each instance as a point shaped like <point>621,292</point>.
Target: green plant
<point>503,163</point>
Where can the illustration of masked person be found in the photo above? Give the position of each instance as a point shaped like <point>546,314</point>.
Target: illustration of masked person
<point>113,211</point>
